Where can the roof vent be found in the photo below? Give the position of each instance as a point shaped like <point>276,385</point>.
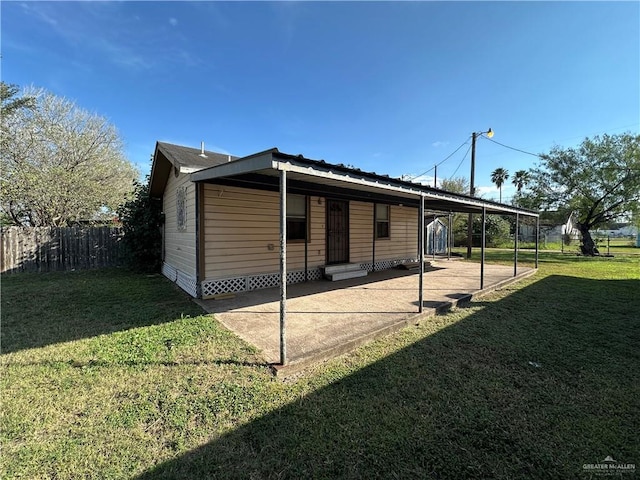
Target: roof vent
<point>202,150</point>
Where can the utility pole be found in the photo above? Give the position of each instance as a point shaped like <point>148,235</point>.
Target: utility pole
<point>472,189</point>
<point>472,192</point>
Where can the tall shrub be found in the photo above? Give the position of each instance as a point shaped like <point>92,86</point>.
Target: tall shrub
<point>142,224</point>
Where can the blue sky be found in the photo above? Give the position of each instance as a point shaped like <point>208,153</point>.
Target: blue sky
<point>390,87</point>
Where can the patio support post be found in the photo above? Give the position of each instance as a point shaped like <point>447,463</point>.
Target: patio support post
<point>433,237</point>
<point>515,245</point>
<point>482,246</point>
<point>373,242</point>
<point>449,236</point>
<point>306,243</point>
<point>283,265</point>
<point>537,235</point>
<point>421,254</point>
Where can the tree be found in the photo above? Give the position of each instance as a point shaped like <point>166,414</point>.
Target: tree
<point>521,179</point>
<point>60,164</point>
<point>599,181</point>
<point>499,176</point>
<point>142,221</point>
<point>496,230</point>
<point>459,220</point>
<point>9,104</point>
<point>455,185</point>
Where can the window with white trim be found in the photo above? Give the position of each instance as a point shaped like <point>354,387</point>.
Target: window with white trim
<point>382,221</point>
<point>296,217</point>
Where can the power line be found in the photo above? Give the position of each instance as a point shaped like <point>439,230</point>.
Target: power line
<point>570,138</point>
<point>442,161</point>
<point>491,140</point>
<point>513,148</point>
<point>463,158</point>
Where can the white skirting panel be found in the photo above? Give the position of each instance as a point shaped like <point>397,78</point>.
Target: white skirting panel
<point>256,282</point>
<point>386,264</point>
<point>186,282</point>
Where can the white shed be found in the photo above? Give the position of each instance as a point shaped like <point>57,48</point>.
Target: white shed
<point>436,235</point>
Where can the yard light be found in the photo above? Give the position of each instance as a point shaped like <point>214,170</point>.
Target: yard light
<point>472,190</point>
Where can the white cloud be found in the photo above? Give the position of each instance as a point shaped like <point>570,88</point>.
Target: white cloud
<point>486,190</point>
<point>122,55</point>
<point>119,42</point>
<point>439,144</point>
<point>423,180</point>
<point>39,13</point>
<point>491,192</point>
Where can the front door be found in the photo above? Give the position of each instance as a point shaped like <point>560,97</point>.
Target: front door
<point>337,232</point>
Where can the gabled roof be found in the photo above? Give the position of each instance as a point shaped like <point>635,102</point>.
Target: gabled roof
<point>169,157</point>
<point>437,220</point>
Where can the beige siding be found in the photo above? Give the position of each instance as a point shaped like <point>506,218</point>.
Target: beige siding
<point>242,231</point>
<point>180,245</point>
<point>403,241</point>
<point>241,228</point>
<point>360,232</point>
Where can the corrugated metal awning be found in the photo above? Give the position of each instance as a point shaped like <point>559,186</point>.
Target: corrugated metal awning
<point>320,178</point>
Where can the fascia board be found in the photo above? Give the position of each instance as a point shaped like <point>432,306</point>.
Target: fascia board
<point>237,167</point>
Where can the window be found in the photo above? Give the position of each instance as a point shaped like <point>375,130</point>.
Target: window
<point>296,217</point>
<point>382,221</point>
<point>181,208</point>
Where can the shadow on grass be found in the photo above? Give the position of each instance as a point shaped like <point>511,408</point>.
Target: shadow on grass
<point>40,309</point>
<point>533,386</point>
<point>139,363</point>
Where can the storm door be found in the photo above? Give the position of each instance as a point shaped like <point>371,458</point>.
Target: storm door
<point>337,231</point>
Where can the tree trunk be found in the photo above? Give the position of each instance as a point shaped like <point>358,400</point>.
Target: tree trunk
<point>587,247</point>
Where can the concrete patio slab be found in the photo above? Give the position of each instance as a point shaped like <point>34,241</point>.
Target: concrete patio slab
<point>326,319</point>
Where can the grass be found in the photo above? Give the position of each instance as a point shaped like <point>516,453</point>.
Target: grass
<point>108,374</point>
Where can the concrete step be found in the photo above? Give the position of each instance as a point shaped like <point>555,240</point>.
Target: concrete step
<point>344,275</point>
<point>342,267</point>
<point>343,271</point>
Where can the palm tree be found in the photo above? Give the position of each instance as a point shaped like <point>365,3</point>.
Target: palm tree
<point>520,179</point>
<point>499,176</point>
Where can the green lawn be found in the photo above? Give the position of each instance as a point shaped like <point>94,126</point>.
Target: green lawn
<point>108,374</point>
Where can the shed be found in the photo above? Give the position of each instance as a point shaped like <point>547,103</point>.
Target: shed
<point>436,238</point>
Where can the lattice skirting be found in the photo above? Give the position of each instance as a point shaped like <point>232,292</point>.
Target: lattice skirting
<point>386,264</point>
<point>254,282</point>
<point>187,282</point>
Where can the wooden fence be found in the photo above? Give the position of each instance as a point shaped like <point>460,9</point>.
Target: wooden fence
<point>46,249</point>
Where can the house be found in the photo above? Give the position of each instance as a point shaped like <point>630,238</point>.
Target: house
<point>436,238</point>
<point>235,224</point>
<point>623,230</point>
<point>552,229</point>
